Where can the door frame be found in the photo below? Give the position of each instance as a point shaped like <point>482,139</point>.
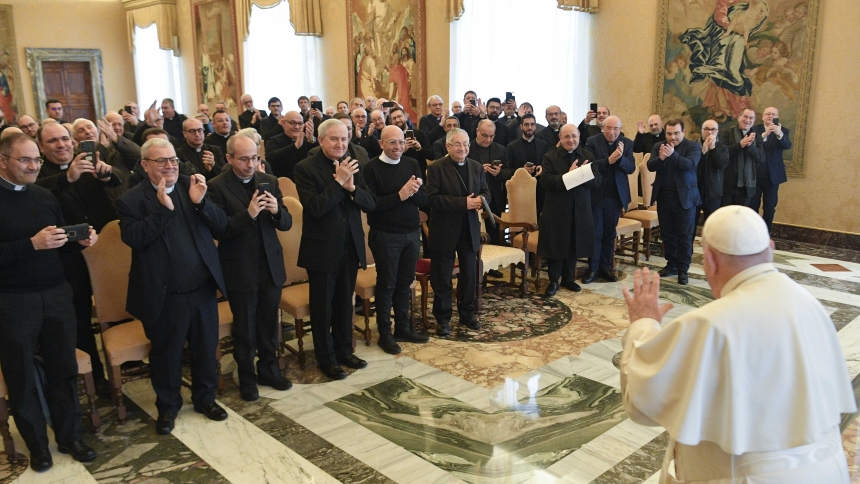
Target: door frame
<point>35,57</point>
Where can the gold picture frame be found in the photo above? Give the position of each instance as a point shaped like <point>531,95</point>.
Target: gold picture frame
<point>216,52</point>
<point>11,96</point>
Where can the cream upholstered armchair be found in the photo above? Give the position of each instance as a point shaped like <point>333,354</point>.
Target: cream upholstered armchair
<point>497,256</point>
<point>645,215</point>
<point>295,298</point>
<point>522,208</point>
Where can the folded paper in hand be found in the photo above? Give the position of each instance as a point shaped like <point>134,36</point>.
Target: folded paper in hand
<point>578,176</point>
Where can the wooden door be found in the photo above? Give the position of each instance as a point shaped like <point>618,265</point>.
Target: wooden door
<point>70,82</point>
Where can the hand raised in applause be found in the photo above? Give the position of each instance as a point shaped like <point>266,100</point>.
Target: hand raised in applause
<point>208,160</point>
<point>640,126</point>
<point>344,172</point>
<point>409,188</point>
<point>747,140</point>
<point>666,150</point>
<point>616,155</point>
<point>198,188</point>
<point>162,195</point>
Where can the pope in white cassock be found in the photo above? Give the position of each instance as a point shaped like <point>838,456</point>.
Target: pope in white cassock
<point>751,386</point>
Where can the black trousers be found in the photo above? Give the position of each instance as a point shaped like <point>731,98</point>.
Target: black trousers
<point>441,265</point>
<point>565,269</point>
<point>605,212</point>
<point>766,195</point>
<point>255,328</point>
<point>706,209</point>
<point>193,317</point>
<point>45,320</point>
<point>677,226</point>
<point>395,256</point>
<point>332,307</point>
<point>737,196</point>
<point>78,276</point>
<point>493,230</point>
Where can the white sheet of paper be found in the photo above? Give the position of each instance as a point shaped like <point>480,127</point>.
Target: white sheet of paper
<point>578,176</point>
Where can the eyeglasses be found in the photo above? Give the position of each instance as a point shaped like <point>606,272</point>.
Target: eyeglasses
<point>295,123</point>
<point>195,131</point>
<point>459,145</point>
<point>27,161</point>
<point>246,159</point>
<point>710,129</point>
<point>163,161</point>
<point>56,108</point>
<point>395,142</point>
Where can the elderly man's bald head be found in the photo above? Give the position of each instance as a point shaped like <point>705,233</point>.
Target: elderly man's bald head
<point>568,136</point>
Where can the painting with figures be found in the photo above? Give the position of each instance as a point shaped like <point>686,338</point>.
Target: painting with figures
<point>386,52</point>
<point>10,81</point>
<point>216,52</point>
<point>719,57</point>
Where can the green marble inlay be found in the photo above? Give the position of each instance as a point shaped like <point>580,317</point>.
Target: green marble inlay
<point>475,444</point>
<point>638,466</point>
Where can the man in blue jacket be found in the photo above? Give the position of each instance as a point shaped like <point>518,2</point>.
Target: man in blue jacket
<point>771,173</point>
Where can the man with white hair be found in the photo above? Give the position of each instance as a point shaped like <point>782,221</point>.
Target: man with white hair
<point>750,391</point>
<point>438,112</point>
<point>359,120</point>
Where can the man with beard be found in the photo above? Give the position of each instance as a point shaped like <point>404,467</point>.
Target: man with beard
<point>771,172</point>
<point>745,155</point>
<point>493,159</point>
<point>551,133</point>
<point>527,152</point>
<point>251,117</point>
<point>646,138</point>
<point>269,125</point>
<point>677,194</point>
<point>599,117</point>
<point>418,147</point>
<point>473,111</point>
<point>287,149</point>
<point>494,110</point>
<point>172,120</point>
<point>439,148</point>
<point>28,126</point>
<point>566,222</point>
<point>613,155</point>
<point>207,159</point>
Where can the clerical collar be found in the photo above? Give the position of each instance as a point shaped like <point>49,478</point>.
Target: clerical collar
<point>11,186</point>
<point>246,180</point>
<point>529,140</point>
<point>167,190</point>
<point>571,151</point>
<point>745,131</point>
<point>64,167</point>
<point>459,163</point>
<point>198,150</point>
<point>225,136</point>
<point>745,275</point>
<point>386,159</point>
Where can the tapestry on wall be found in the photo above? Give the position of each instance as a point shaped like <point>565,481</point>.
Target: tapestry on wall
<point>387,52</point>
<point>10,80</point>
<point>719,57</point>
<point>216,52</point>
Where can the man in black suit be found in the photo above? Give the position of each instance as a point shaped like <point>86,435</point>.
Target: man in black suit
<point>270,125</point>
<point>677,194</point>
<point>440,149</point>
<point>172,120</point>
<point>36,309</point>
<point>647,137</point>
<point>551,133</point>
<point>494,110</point>
<point>613,155</point>
<point>473,111</point>
<point>207,159</point>
<point>771,172</point>
<point>169,223</point>
<point>492,157</point>
<point>221,122</point>
<point>370,138</point>
<point>586,129</point>
<point>284,151</point>
<point>222,106</point>
<point>527,152</point>
<point>438,112</point>
<point>566,222</point>
<point>253,263</point>
<point>359,120</point>
<point>138,174</point>
<point>745,156</point>
<point>418,147</point>
<point>709,173</point>
<point>251,117</point>
<point>354,151</point>
<point>455,185</point>
<point>333,194</point>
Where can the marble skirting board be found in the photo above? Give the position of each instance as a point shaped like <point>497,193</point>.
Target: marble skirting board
<point>826,238</point>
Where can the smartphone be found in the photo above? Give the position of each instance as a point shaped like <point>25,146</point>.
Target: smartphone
<point>497,163</point>
<point>775,120</point>
<point>389,104</point>
<point>529,164</point>
<point>410,134</point>
<point>473,102</point>
<point>594,107</point>
<point>77,232</point>
<point>89,147</point>
<point>128,110</point>
<point>317,105</point>
<point>510,96</point>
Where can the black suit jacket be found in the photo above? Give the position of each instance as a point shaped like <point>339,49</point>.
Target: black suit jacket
<point>496,184</point>
<point>238,245</point>
<point>142,222</point>
<point>283,155</point>
<point>216,139</point>
<point>423,156</point>
<point>551,137</point>
<point>245,120</point>
<point>447,201</point>
<point>174,125</point>
<point>709,173</point>
<point>683,163</point>
<point>84,201</point>
<point>329,211</point>
<point>428,123</point>
<point>516,153</point>
<point>754,153</point>
<point>269,127</point>
<point>774,165</point>
<point>186,153</point>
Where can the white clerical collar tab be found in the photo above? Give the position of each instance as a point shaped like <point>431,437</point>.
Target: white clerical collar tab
<point>167,190</point>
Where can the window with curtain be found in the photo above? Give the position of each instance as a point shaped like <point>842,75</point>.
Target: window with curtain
<point>279,63</point>
<point>529,47</point>
<point>156,71</point>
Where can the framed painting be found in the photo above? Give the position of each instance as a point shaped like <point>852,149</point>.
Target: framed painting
<point>387,52</point>
<point>10,78</point>
<point>718,57</point>
<point>216,52</point>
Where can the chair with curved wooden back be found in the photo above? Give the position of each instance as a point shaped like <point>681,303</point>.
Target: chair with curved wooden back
<point>645,216</point>
<point>109,262</point>
<point>497,256</point>
<point>87,387</point>
<point>288,187</point>
<point>365,283</point>
<point>8,443</point>
<point>295,297</point>
<point>522,208</point>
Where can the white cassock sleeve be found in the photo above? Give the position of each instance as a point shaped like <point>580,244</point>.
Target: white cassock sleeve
<point>639,332</point>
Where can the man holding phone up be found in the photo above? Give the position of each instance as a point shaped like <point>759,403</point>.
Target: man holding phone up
<point>771,173</point>
<point>253,263</point>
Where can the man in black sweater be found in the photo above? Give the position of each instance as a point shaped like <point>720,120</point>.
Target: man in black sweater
<point>31,274</point>
<point>287,149</point>
<point>398,184</point>
<point>418,147</point>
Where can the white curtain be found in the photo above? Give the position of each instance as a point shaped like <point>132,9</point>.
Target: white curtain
<point>279,63</point>
<point>529,47</point>
<point>156,71</point>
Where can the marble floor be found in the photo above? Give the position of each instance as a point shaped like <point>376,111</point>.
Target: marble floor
<point>532,397</point>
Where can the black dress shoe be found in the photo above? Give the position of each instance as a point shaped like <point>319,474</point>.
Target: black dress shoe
<point>406,335</point>
<point>250,394</point>
<point>607,276</point>
<point>443,329</point>
<point>589,278</point>
<point>277,382</point>
<point>334,372</point>
<point>668,271</point>
<point>683,278</point>
<point>352,361</point>
<point>213,411</point>
<point>165,422</point>
<point>495,273</point>
<point>471,324</point>
<point>79,451</point>
<point>571,286</point>
<point>551,289</point>
<point>388,345</point>
<point>40,461</point>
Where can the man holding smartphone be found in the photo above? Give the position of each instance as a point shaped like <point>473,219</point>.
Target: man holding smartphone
<point>493,158</point>
<point>771,173</point>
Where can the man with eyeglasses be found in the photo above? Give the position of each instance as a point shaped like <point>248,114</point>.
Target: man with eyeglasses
<point>359,120</point>
<point>152,118</point>
<point>138,174</point>
<point>221,122</point>
<point>28,126</point>
<point>370,139</point>
<point>439,147</point>
<point>269,125</point>
<point>433,120</point>
<point>709,172</point>
<point>31,274</point>
<point>253,263</point>
<point>251,117</point>
<point>333,193</point>
<point>54,108</point>
<point>418,147</point>
<point>771,171</point>
<point>455,186</point>
<point>286,149</point>
<point>207,159</point>
<point>170,225</point>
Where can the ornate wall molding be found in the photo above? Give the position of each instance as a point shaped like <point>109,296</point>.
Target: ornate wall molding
<point>35,58</point>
